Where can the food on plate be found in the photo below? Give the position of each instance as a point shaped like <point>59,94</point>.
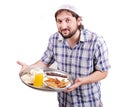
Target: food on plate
<point>56,83</point>
<point>50,80</point>
<point>31,75</point>
<point>56,74</point>
<point>27,78</point>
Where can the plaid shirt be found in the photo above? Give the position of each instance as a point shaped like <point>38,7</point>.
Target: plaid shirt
<point>89,54</point>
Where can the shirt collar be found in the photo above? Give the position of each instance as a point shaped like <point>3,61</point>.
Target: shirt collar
<point>60,37</point>
<point>82,36</point>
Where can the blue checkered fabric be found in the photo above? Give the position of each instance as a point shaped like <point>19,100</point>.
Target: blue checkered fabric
<point>89,54</point>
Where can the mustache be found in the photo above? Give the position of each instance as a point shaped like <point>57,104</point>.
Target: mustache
<point>64,29</point>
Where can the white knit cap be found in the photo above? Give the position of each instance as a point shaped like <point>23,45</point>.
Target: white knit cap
<point>68,7</point>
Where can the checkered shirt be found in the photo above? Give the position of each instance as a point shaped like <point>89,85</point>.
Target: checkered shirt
<point>89,54</point>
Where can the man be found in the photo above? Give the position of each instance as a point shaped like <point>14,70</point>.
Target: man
<point>79,52</point>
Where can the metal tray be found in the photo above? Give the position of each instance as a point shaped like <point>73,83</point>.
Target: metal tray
<point>48,72</point>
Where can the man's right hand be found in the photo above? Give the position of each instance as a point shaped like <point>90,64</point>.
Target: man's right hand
<point>23,65</point>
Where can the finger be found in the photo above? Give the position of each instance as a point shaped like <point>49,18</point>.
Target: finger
<point>20,63</point>
<point>70,88</point>
<point>23,65</point>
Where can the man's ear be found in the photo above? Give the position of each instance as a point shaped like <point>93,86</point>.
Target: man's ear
<point>79,20</point>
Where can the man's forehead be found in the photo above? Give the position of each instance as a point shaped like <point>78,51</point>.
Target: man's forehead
<point>64,15</point>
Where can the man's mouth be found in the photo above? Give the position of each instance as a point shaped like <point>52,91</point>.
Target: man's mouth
<point>64,31</point>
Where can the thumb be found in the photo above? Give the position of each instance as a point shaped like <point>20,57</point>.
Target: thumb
<point>20,63</point>
<point>23,65</point>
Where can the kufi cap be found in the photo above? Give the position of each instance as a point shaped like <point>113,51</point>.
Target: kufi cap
<point>68,7</point>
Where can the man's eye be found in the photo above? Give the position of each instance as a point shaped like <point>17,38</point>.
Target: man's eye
<point>67,20</point>
<point>59,21</point>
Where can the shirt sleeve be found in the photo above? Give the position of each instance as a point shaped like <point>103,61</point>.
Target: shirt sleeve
<point>101,59</point>
<point>48,56</point>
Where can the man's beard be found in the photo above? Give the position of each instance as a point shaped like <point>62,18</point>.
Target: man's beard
<point>71,34</point>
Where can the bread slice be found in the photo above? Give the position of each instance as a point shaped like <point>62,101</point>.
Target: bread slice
<point>27,78</point>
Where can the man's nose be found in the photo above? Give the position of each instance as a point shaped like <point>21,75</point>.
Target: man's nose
<point>64,25</point>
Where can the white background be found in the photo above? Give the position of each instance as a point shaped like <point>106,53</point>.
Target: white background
<point>26,25</point>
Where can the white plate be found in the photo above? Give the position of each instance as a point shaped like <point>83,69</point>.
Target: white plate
<point>66,80</point>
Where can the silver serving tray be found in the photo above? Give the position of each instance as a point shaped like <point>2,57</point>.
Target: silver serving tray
<point>48,72</point>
